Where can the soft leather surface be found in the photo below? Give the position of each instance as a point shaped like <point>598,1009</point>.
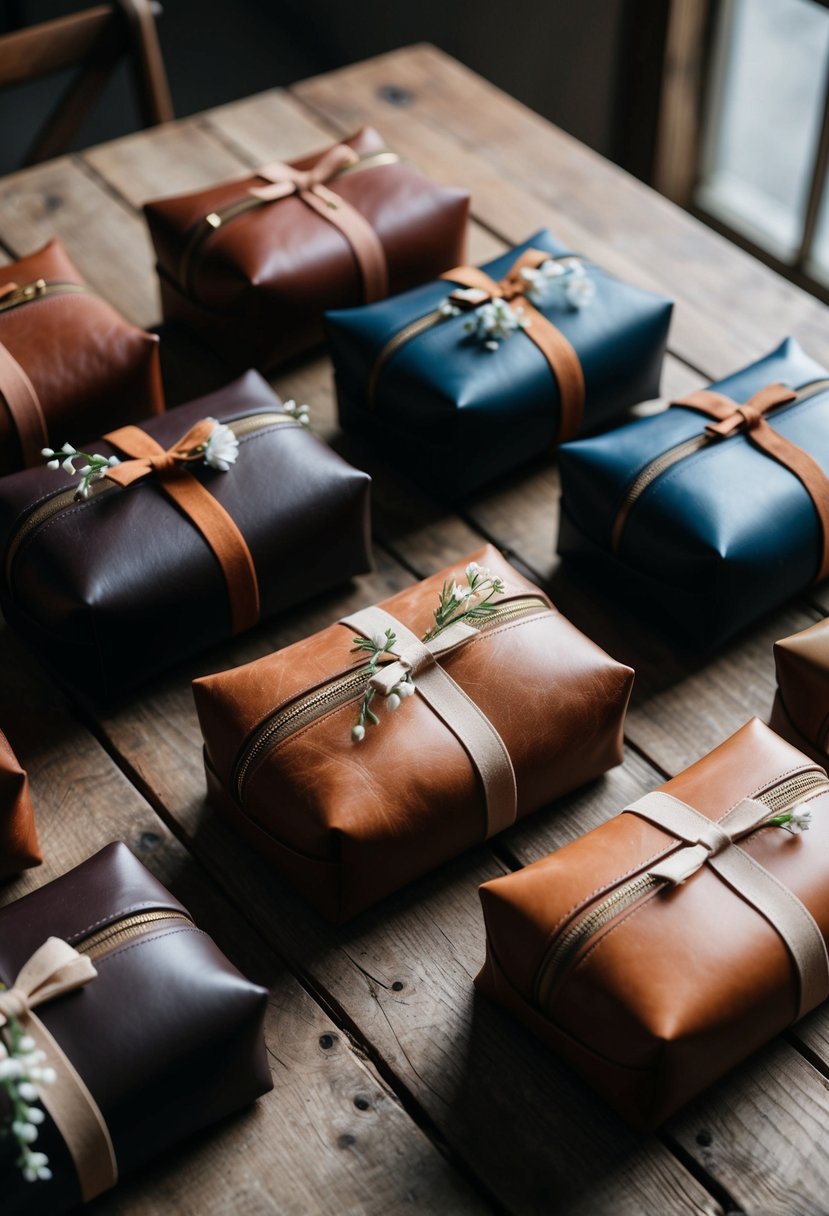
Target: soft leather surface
<point>721,537</point>
<point>19,846</point>
<point>802,663</point>
<point>467,415</point>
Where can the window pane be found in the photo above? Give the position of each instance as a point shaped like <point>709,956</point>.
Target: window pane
<point>765,116</point>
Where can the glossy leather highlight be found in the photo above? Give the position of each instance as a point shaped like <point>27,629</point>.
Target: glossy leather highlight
<point>461,415</point>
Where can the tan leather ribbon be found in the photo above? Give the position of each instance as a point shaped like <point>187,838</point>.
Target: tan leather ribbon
<point>23,405</point>
<point>310,185</point>
<point>750,419</point>
<point>715,844</point>
<point>556,349</point>
<point>205,513</point>
<point>473,730</point>
<point>54,970</point>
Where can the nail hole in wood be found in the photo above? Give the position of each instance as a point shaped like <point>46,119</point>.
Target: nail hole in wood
<point>398,985</point>
<point>395,96</point>
<point>326,1041</point>
<point>704,1138</point>
<point>361,1103</point>
<point>148,841</point>
<point>346,1140</point>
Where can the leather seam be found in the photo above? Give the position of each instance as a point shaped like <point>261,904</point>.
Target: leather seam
<point>122,912</point>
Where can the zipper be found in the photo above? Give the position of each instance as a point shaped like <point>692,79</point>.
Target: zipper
<point>780,797</point>
<point>39,290</point>
<point>681,451</point>
<point>413,330</point>
<point>64,499</point>
<point>214,220</point>
<point>284,722</point>
<point>127,929</point>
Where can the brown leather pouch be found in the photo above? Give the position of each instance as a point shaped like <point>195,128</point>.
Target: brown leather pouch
<point>19,848</point>
<point>801,706</point>
<point>167,1037</point>
<point>252,264</point>
<point>522,698</point>
<point>69,363</point>
<point>654,965</point>
<point>175,556</point>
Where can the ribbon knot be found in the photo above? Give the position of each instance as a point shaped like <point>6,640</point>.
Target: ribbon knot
<point>748,416</point>
<point>54,969</point>
<point>285,179</point>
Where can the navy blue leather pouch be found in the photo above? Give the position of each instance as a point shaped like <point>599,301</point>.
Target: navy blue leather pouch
<point>429,394</point>
<point>701,534</point>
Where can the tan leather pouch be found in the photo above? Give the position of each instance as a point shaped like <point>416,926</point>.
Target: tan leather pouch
<point>801,706</point>
<point>19,846</point>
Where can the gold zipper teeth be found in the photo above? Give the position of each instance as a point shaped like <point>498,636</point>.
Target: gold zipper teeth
<point>336,693</point>
<point>127,929</point>
<point>40,289</point>
<point>668,459</point>
<point>64,499</point>
<point>420,326</point>
<point>782,796</point>
<point>217,219</point>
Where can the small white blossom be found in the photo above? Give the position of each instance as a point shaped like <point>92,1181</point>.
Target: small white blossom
<point>33,1113</point>
<point>358,733</point>
<point>447,309</point>
<point>68,466</point>
<point>27,1044</point>
<point>68,450</point>
<point>222,447</point>
<point>46,1076</point>
<point>800,821</point>
<point>27,1091</point>
<point>393,701</point>
<point>406,689</point>
<point>47,451</point>
<point>54,465</point>
<point>299,413</point>
<point>580,292</point>
<point>461,593</point>
<point>495,321</point>
<point>25,1132</point>
<point>113,461</point>
<point>378,639</point>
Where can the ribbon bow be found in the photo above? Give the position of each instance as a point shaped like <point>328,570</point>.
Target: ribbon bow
<point>310,185</point>
<point>204,511</point>
<point>473,730</point>
<point>478,288</point>
<point>54,970</point>
<point>716,844</point>
<point>750,417</point>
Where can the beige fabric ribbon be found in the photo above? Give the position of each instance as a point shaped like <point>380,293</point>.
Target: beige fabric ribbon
<point>52,971</point>
<point>310,185</point>
<point>473,730</point>
<point>715,844</point>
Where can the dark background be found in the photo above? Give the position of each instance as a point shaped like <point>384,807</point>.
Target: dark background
<point>580,63</point>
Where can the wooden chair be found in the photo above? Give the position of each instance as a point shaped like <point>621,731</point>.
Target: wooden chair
<point>94,40</point>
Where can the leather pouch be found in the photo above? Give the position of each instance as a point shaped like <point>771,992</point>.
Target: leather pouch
<point>114,589</point>
<point>801,705</point>
<point>697,515</point>
<point>69,362</point>
<point>423,374</point>
<point>251,265</point>
<point>516,712</point>
<point>653,965</point>
<point>19,846</point>
<point>167,1038</point>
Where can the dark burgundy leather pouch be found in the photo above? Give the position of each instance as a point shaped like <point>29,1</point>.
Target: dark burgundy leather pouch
<point>168,1036</point>
<point>114,589</point>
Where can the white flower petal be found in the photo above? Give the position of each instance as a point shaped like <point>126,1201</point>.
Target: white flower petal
<point>222,448</point>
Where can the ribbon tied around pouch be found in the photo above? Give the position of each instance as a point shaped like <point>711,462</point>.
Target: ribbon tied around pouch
<point>54,970</point>
<point>145,457</point>
<point>731,418</point>
<point>477,288</point>
<point>473,730</point>
<point>715,844</point>
<point>311,186</point>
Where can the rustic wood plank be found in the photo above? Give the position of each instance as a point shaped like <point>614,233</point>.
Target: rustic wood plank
<point>269,125</point>
<point>523,172</point>
<point>330,1134</point>
<point>107,242</point>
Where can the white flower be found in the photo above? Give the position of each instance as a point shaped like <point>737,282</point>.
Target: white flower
<point>46,1076</point>
<point>447,309</point>
<point>358,733</point>
<point>68,450</point>
<point>405,690</point>
<point>68,466</point>
<point>33,1113</point>
<point>473,568</point>
<point>378,639</point>
<point>580,291</point>
<point>54,465</point>
<point>461,593</point>
<point>299,413</point>
<point>27,1091</point>
<point>393,701</point>
<point>47,451</point>
<point>222,447</point>
<point>800,821</point>
<point>10,1068</point>
<point>84,469</point>
<point>113,461</point>
<point>24,1132</point>
<point>27,1043</point>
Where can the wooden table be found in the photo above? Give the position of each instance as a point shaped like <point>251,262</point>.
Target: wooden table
<point>397,1089</point>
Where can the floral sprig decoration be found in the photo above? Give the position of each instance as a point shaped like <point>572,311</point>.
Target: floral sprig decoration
<point>796,821</point>
<point>567,278</point>
<point>21,1065</point>
<point>495,321</point>
<point>468,602</point>
<point>299,413</point>
<point>219,451</point>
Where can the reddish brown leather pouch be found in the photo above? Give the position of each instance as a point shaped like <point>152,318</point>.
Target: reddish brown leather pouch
<point>251,265</point>
<point>113,589</point>
<point>654,965</point>
<point>801,706</point>
<point>70,364</point>
<point>19,846</point>
<point>167,1037</point>
<point>516,713</point>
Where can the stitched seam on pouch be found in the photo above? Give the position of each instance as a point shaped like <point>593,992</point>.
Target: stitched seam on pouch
<point>112,917</point>
<point>148,940</point>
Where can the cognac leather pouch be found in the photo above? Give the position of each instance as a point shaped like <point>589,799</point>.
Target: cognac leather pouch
<point>801,706</point>
<point>712,513</point>
<point>252,264</point>
<point>19,846</point>
<point>421,374</point>
<point>507,715</point>
<point>662,948</point>
<point>171,559</point>
<point>69,363</point>
<point>163,1033</point>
